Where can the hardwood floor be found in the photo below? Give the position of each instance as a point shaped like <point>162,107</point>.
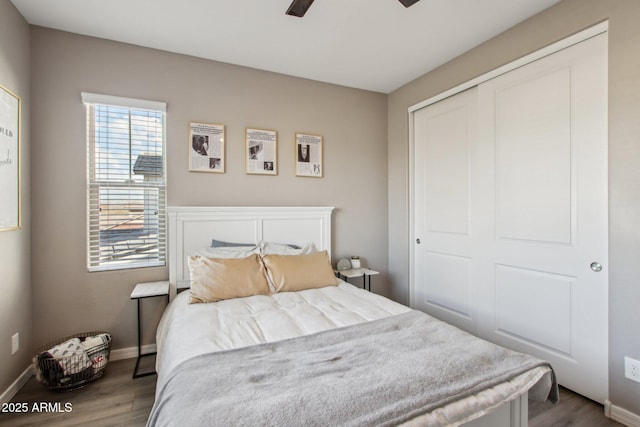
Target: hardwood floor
<point>118,400</point>
<point>573,410</point>
<point>113,400</point>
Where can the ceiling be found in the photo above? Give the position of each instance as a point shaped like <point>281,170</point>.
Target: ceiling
<point>377,45</point>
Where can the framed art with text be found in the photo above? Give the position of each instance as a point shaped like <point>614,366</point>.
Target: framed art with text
<point>308,155</point>
<point>206,147</point>
<point>261,152</point>
<point>10,215</point>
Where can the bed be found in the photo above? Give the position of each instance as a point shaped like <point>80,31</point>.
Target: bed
<point>319,355</point>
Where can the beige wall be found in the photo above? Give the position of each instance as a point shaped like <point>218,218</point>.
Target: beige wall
<point>15,262</point>
<point>352,122</point>
<point>556,23</point>
<point>357,156</point>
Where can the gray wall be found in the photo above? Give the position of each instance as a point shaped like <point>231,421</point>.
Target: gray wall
<point>353,123</point>
<point>553,24</point>
<point>66,298</point>
<point>15,262</point>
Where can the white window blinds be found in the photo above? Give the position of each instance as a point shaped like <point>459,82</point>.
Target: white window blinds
<point>126,182</point>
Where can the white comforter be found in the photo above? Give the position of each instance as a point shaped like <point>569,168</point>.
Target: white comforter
<point>187,330</point>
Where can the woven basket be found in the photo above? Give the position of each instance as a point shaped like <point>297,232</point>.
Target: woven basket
<point>73,371</point>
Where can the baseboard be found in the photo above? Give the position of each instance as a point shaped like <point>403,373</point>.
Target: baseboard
<point>15,387</point>
<point>130,352</point>
<point>621,415</point>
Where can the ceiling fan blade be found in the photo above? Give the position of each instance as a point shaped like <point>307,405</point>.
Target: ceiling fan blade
<point>408,3</point>
<point>299,7</point>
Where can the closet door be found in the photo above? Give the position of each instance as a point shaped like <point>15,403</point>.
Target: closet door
<point>543,129</point>
<point>510,212</point>
<point>444,250</point>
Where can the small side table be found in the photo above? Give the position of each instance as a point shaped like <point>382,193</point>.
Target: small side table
<point>365,273</point>
<point>147,290</point>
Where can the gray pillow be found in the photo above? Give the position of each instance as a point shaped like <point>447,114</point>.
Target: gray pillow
<point>220,244</point>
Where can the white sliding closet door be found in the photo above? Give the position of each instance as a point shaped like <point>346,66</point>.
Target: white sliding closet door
<point>444,257</point>
<point>512,220</point>
<point>545,130</point>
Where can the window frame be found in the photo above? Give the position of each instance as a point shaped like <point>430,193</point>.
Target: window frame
<point>94,263</point>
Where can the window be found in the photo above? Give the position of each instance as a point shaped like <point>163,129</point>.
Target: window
<point>126,175</point>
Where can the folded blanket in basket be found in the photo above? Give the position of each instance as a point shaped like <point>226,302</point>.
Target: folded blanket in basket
<point>97,348</point>
<point>71,356</point>
<point>51,373</point>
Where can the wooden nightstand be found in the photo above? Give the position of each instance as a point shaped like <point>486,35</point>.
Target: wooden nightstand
<point>365,273</point>
<point>147,290</point>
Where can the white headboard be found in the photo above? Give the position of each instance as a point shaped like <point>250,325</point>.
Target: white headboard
<point>192,228</point>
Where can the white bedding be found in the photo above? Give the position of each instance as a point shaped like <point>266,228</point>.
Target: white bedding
<point>187,330</point>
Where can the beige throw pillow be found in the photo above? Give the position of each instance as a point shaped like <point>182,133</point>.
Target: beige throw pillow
<point>214,279</point>
<point>298,272</point>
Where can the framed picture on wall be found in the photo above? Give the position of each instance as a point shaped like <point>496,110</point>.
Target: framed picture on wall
<point>206,147</point>
<point>261,152</point>
<point>308,155</point>
<point>10,211</point>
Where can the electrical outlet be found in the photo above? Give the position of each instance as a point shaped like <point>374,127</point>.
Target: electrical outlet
<point>15,343</point>
<point>632,369</point>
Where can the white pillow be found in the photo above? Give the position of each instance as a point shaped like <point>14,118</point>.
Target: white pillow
<point>228,252</point>
<point>270,248</point>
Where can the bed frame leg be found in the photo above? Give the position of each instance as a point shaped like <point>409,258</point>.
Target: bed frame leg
<point>520,411</point>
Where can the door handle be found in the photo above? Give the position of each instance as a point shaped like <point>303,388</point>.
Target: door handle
<point>596,266</point>
<point>417,241</point>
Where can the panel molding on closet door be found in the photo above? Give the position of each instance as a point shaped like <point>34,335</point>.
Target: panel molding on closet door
<point>533,159</point>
